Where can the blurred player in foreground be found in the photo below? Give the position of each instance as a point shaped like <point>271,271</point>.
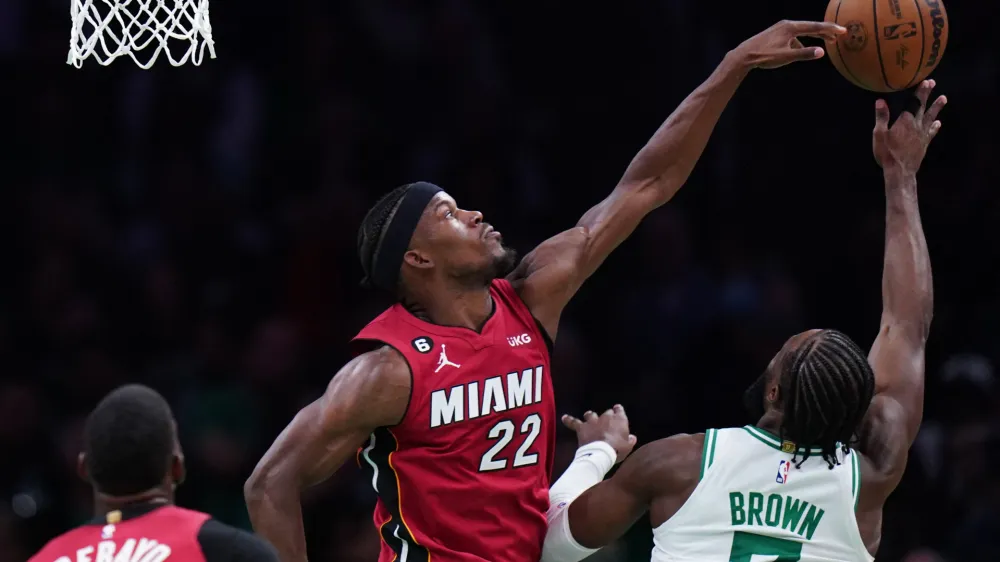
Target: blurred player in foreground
<point>450,397</point>
<point>133,460</point>
<point>790,487</point>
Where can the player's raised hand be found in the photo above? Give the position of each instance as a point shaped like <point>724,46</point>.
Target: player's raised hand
<point>779,44</point>
<point>903,145</point>
<point>610,427</point>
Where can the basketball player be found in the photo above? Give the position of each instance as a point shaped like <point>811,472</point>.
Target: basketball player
<point>790,487</point>
<point>451,396</point>
<point>133,460</point>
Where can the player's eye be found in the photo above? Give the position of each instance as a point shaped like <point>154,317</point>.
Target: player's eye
<point>448,214</point>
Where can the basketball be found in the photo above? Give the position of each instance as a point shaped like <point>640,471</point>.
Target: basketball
<point>890,45</point>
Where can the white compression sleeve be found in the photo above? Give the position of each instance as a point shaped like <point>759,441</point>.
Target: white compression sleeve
<point>591,464</point>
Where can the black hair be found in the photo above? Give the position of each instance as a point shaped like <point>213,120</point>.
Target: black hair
<point>129,441</point>
<point>373,229</point>
<point>826,390</point>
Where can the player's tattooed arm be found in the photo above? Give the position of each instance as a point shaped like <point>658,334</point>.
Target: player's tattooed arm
<point>549,276</point>
<point>371,391</point>
<point>897,356</point>
<point>665,471</point>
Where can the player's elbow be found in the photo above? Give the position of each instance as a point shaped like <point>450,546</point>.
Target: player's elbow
<point>915,329</point>
<point>263,482</point>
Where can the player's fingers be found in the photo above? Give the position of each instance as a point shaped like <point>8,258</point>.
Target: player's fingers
<point>935,108</point>
<point>619,410</point>
<point>589,415</point>
<point>571,422</point>
<point>935,127</point>
<point>824,29</point>
<point>881,116</point>
<point>632,440</point>
<point>607,412</point>
<point>805,53</point>
<point>795,43</point>
<point>923,93</point>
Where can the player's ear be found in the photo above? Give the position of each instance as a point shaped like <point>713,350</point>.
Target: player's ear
<point>774,394</point>
<point>81,467</point>
<point>418,259</point>
<point>177,470</point>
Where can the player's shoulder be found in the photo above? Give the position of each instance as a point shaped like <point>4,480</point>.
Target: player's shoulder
<point>220,542</point>
<point>672,462</point>
<point>380,365</point>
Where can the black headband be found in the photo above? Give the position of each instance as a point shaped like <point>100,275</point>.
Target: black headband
<point>397,233</point>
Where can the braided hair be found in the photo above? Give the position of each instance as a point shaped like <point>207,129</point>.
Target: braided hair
<point>826,388</point>
<point>373,229</point>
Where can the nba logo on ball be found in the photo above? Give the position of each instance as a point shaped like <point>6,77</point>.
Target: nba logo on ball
<point>782,472</point>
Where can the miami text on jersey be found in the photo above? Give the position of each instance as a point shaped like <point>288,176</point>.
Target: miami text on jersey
<point>496,394</point>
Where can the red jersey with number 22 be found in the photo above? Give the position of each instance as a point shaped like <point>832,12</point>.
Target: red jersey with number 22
<point>465,476</point>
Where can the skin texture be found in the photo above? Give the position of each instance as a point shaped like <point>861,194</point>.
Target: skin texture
<point>173,476</point>
<point>445,277</point>
<point>661,476</point>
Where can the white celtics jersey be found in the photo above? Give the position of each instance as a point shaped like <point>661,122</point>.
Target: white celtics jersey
<point>753,505</point>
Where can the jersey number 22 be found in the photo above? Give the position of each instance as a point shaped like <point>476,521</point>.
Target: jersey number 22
<point>503,431</point>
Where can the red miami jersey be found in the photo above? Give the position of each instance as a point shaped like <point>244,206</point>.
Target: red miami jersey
<point>465,476</point>
<point>165,533</point>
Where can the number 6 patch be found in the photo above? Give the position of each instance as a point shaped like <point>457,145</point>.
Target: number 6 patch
<point>423,344</point>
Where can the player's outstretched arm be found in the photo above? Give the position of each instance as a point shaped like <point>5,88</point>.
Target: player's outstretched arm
<point>550,275</point>
<point>663,470</point>
<point>371,391</point>
<point>897,355</point>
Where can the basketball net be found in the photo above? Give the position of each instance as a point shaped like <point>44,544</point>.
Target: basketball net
<point>108,29</point>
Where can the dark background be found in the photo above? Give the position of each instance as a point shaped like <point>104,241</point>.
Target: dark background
<point>194,229</point>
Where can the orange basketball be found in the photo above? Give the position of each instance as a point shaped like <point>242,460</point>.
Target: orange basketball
<point>890,45</point>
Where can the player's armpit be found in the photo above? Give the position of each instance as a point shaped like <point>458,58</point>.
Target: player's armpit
<point>371,391</point>
<point>549,276</point>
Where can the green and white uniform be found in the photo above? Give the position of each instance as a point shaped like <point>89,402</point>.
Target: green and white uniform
<point>753,505</point>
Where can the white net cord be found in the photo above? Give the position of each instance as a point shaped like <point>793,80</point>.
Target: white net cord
<point>108,29</point>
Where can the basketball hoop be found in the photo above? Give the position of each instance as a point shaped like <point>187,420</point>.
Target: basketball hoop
<point>108,29</point>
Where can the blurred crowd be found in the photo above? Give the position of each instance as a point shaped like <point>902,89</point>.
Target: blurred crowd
<point>194,229</point>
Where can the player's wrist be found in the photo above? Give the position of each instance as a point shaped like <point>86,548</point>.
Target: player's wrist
<point>599,453</point>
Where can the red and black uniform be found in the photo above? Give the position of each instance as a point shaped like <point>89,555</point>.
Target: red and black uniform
<point>156,532</point>
<point>465,476</point>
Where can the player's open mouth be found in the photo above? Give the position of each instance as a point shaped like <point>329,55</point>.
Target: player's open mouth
<point>490,232</point>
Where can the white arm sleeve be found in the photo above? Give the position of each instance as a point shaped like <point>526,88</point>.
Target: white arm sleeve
<point>591,464</point>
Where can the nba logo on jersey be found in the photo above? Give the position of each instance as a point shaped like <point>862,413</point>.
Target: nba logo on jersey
<point>782,472</point>
<point>108,532</point>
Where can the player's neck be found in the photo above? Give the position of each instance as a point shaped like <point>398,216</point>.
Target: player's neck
<point>104,503</point>
<point>466,308</point>
<point>770,422</point>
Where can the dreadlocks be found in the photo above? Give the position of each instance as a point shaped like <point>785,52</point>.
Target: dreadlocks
<point>827,389</point>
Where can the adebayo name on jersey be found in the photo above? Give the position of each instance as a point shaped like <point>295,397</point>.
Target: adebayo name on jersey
<point>482,398</point>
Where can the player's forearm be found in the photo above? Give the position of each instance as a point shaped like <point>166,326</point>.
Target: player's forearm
<point>276,514</point>
<point>907,284</point>
<point>670,155</point>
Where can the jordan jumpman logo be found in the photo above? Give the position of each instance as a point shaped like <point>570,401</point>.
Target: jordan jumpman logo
<point>443,361</point>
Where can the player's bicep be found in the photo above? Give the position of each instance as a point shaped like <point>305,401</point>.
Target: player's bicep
<point>607,224</point>
<point>897,358</point>
<point>549,276</point>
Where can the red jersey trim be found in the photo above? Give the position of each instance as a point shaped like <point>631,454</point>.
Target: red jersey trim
<point>394,531</point>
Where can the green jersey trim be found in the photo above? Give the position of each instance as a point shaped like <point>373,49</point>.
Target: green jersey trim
<point>707,452</point>
<point>855,478</point>
<point>772,441</point>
